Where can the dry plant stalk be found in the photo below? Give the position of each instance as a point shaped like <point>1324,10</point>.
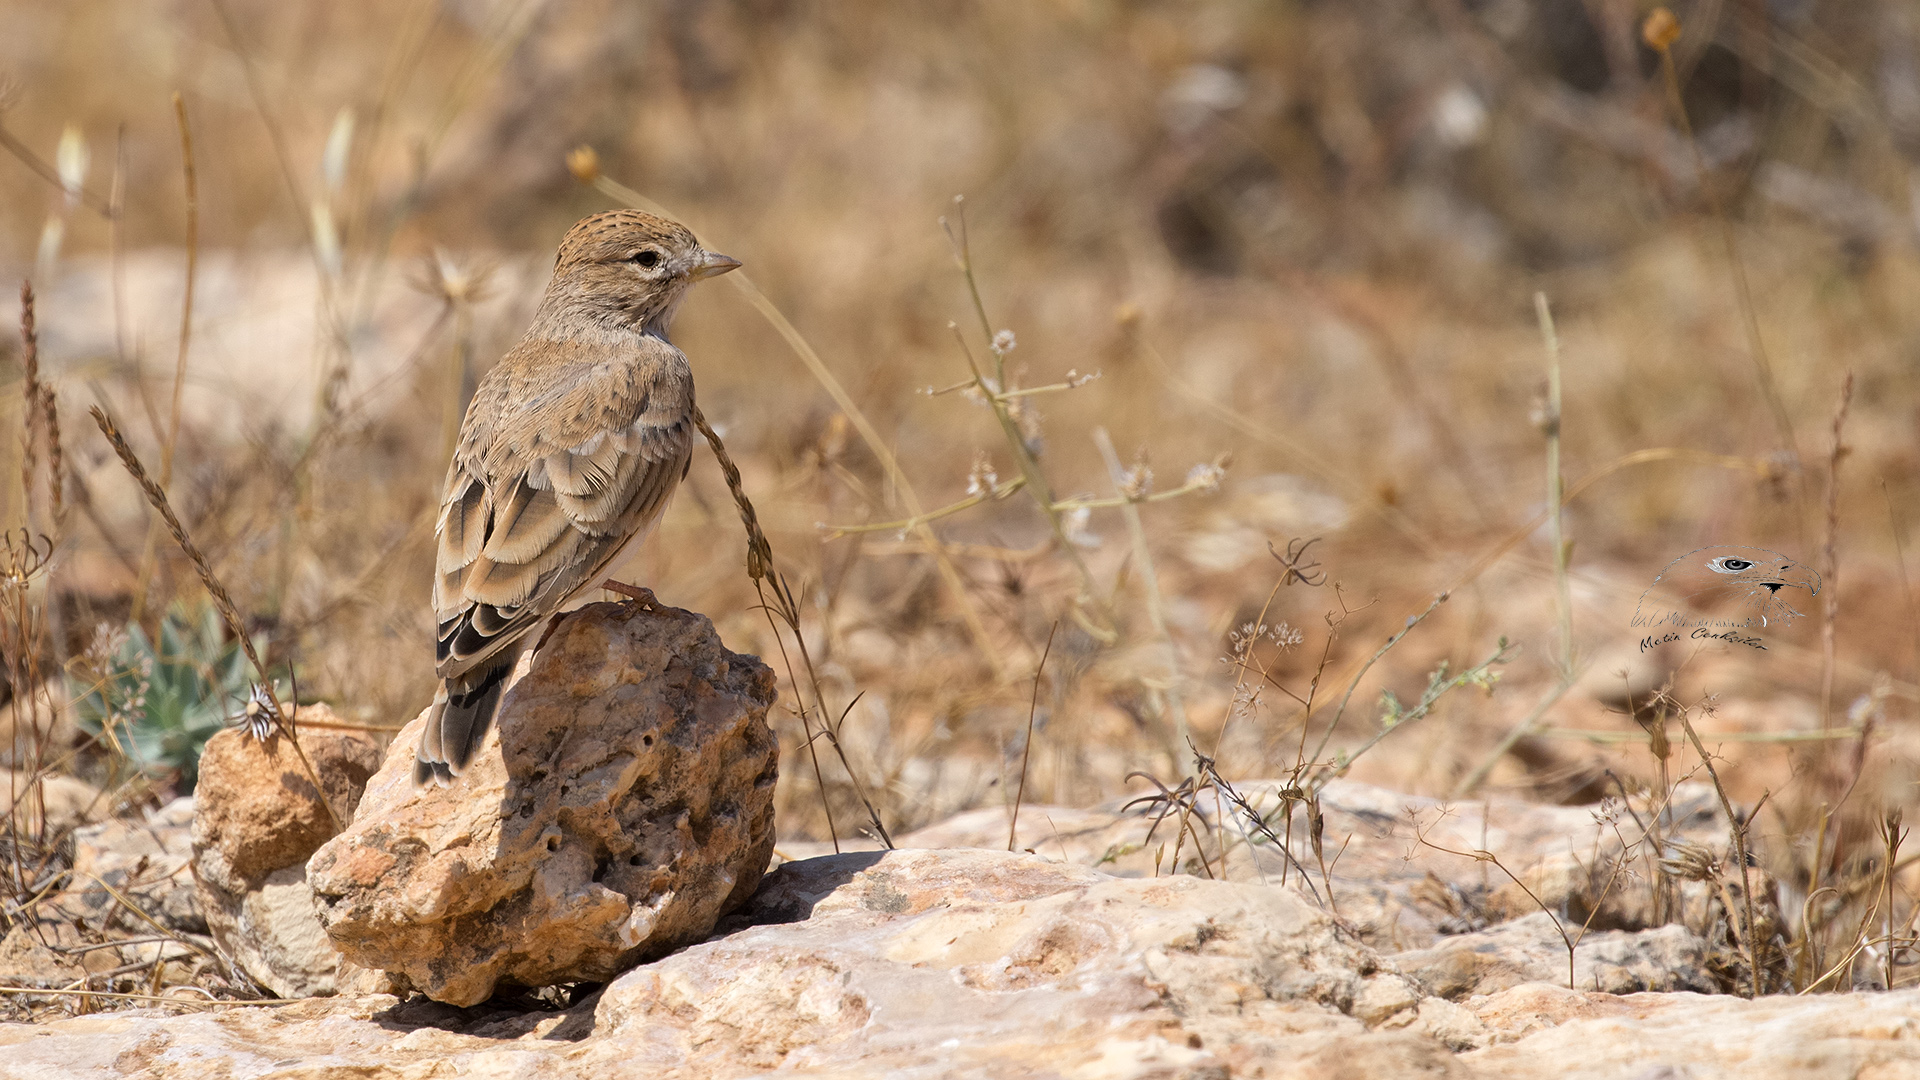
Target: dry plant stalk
<point>1660,30</point>
<point>186,301</point>
<point>283,718</point>
<point>1481,856</point>
<point>1892,835</point>
<point>1026,748</point>
<point>40,414</point>
<point>765,578</point>
<point>1829,557</point>
<point>1748,938</point>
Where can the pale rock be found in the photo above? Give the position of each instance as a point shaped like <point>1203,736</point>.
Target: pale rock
<point>913,962</point>
<point>916,965</point>
<point>1530,950</point>
<point>1399,893</point>
<point>1541,1030</point>
<point>67,801</point>
<point>621,804</point>
<point>147,861</point>
<point>258,817</point>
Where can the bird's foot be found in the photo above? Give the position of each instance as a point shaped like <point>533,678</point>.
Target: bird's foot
<point>643,596</point>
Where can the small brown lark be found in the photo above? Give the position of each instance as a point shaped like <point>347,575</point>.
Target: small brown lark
<point>568,454</point>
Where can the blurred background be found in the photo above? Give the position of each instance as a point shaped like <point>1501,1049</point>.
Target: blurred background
<point>1298,243</point>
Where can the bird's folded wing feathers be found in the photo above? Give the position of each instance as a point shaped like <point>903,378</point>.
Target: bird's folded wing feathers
<point>522,527</point>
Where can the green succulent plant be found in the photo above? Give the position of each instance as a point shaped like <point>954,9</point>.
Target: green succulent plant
<point>157,703</point>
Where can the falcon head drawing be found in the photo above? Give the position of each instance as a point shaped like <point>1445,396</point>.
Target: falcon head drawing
<point>1728,587</point>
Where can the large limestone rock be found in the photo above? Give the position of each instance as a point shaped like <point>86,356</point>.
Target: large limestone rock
<point>1398,892</point>
<point>926,964</point>
<point>257,819</point>
<point>622,803</point>
<point>968,962</point>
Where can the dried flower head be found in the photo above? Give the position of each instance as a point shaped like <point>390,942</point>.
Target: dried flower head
<point>1691,862</point>
<point>1137,482</point>
<point>1003,343</point>
<point>584,163</point>
<point>1207,476</point>
<point>1246,698</point>
<point>981,480</point>
<point>1027,418</point>
<point>1075,526</point>
<point>455,278</point>
<point>1243,640</point>
<point>1660,29</point>
<point>256,714</point>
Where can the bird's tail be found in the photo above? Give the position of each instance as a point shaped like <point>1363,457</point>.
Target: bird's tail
<point>463,710</point>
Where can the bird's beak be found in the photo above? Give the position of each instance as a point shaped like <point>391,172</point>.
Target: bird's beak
<point>713,264</point>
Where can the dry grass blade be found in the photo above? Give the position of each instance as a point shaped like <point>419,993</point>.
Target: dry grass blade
<point>283,720</point>
<point>1026,748</point>
<point>759,551</point>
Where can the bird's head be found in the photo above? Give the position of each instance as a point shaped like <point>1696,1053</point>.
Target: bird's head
<point>627,268</point>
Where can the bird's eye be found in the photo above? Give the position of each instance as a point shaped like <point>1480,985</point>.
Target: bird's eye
<point>1727,564</point>
<point>648,259</point>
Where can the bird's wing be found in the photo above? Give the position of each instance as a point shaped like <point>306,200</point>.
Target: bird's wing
<point>563,456</point>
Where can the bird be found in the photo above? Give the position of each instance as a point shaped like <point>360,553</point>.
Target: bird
<point>567,456</point>
<point>1726,586</point>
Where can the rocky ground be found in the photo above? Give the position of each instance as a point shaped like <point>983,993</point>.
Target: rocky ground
<point>581,904</point>
<point>966,962</point>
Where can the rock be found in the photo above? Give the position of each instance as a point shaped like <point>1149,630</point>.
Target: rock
<point>620,806</point>
<point>970,962</point>
<point>145,861</point>
<point>1399,893</point>
<point>926,964</point>
<point>67,801</point>
<point>257,819</point>
<point>256,808</point>
<point>1539,1030</point>
<point>1531,950</point>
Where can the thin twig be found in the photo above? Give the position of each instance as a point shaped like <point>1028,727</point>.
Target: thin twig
<point>1026,748</point>
<point>1354,684</point>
